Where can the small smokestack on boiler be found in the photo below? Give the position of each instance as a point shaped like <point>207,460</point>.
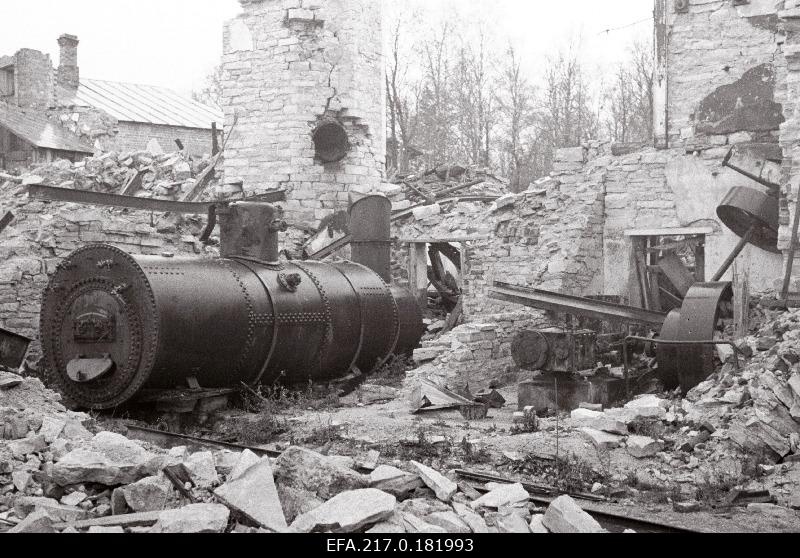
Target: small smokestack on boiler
<point>371,230</point>
<point>68,71</point>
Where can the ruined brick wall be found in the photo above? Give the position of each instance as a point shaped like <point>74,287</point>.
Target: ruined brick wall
<point>43,234</point>
<point>286,67</point>
<point>134,136</point>
<point>34,85</point>
<point>725,71</point>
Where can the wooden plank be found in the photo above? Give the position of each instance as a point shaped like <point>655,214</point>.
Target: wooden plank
<point>418,272</point>
<point>202,179</point>
<point>696,231</point>
<point>741,301</point>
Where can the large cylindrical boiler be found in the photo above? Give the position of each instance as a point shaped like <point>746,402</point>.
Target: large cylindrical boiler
<point>113,324</point>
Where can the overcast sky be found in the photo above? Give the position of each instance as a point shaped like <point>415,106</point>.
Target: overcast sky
<point>176,43</point>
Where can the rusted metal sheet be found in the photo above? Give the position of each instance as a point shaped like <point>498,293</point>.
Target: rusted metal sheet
<point>578,306</point>
<point>680,277</point>
<point>685,365</point>
<point>13,348</point>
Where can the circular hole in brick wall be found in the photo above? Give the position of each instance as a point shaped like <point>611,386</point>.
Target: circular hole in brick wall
<point>330,142</point>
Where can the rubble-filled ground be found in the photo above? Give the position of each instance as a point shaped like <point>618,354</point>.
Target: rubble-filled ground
<point>722,459</point>
<point>145,174</point>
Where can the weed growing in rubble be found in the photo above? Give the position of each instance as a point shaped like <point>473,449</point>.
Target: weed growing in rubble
<point>528,426</point>
<point>393,372</point>
<point>473,455</point>
<point>326,433</point>
<point>566,473</point>
<point>265,428</point>
<point>417,449</point>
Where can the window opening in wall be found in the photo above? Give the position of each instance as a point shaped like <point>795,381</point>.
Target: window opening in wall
<point>7,82</point>
<point>665,268</point>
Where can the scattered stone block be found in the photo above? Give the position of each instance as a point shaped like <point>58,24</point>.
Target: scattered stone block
<point>441,485</point>
<point>203,469</point>
<point>246,460</point>
<point>395,481</point>
<point>348,511</point>
<point>38,522</point>
<point>537,524</point>
<point>308,470</point>
<point>501,496</point>
<point>254,494</point>
<point>475,522</point>
<point>106,530</point>
<point>421,213</point>
<point>450,521</point>
<point>413,524</point>
<point>109,459</point>
<point>149,494</point>
<point>194,518</point>
<point>642,447</point>
<point>73,499</point>
<point>565,516</point>
<point>601,440</point>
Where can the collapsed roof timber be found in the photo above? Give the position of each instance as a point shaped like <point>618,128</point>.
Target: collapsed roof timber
<point>623,334</point>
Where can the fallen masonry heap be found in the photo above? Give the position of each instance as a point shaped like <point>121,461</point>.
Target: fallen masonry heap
<point>146,174</point>
<point>57,475</point>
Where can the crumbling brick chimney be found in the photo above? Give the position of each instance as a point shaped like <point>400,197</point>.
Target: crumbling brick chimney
<point>33,79</point>
<point>304,82</point>
<point>68,71</point>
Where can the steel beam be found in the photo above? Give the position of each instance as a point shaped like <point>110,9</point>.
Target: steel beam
<point>578,306</point>
<point>49,193</point>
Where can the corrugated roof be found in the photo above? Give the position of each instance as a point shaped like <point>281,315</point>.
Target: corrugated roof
<point>36,129</point>
<point>130,102</point>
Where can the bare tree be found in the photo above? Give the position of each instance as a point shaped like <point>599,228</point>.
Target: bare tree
<point>473,100</point>
<point>211,93</point>
<point>629,100</point>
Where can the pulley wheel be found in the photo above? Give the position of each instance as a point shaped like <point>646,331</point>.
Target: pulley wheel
<point>746,208</point>
<point>530,350</point>
<point>704,306</point>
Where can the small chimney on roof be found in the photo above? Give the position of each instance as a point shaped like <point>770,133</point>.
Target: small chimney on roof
<point>68,72</point>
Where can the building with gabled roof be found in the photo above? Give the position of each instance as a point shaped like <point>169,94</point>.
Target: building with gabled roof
<point>103,115</point>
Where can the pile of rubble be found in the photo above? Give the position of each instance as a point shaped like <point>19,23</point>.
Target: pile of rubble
<point>145,174</point>
<point>56,475</point>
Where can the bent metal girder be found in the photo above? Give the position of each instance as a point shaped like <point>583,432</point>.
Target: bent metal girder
<point>688,365</point>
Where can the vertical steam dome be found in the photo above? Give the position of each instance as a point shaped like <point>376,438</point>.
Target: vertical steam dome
<point>330,142</point>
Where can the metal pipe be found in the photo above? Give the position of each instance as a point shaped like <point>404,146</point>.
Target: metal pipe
<point>735,254</point>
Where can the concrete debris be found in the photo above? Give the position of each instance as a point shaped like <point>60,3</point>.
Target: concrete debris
<point>443,487</point>
<point>254,494</point>
<point>347,512</point>
<point>194,518</point>
<point>311,471</point>
<point>502,496</point>
<point>565,516</point>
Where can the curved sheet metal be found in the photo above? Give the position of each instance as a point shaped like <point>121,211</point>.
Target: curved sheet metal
<point>697,320</point>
